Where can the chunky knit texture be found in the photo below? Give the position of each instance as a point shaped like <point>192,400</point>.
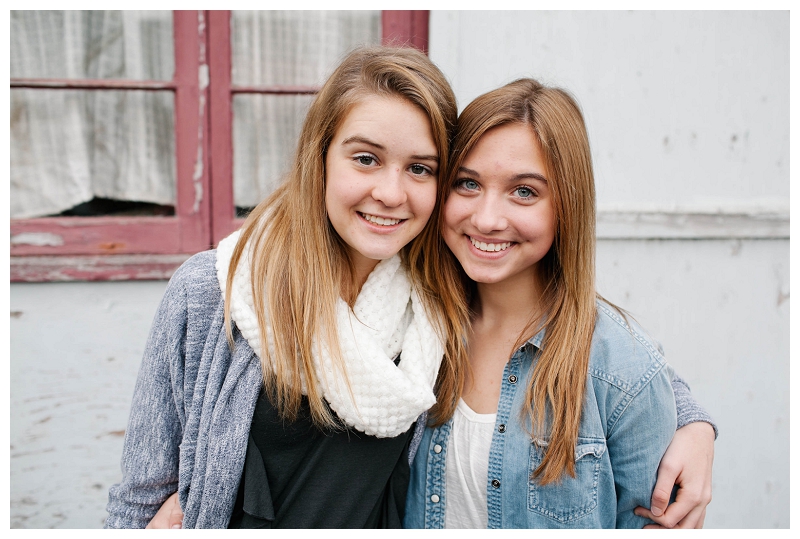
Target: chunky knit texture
<point>388,316</point>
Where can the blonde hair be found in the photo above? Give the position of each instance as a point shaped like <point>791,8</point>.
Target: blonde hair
<point>567,309</point>
<point>300,266</point>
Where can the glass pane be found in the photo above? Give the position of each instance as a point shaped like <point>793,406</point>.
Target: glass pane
<point>265,133</point>
<point>92,45</point>
<point>69,147</point>
<point>296,47</point>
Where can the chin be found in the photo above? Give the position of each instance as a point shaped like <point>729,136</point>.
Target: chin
<point>484,277</point>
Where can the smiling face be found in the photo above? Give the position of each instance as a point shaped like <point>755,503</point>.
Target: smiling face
<point>380,173</point>
<point>499,217</point>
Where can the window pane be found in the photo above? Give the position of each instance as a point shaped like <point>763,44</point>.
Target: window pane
<point>69,147</point>
<point>92,45</point>
<point>265,132</point>
<point>296,47</point>
<point>282,48</point>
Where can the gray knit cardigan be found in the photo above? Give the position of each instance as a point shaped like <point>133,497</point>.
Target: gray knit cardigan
<point>193,405</point>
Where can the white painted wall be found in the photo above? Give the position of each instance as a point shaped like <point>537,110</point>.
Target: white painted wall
<point>688,117</point>
<point>685,110</point>
<point>664,95</point>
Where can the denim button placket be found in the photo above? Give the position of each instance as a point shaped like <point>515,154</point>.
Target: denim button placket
<point>507,392</point>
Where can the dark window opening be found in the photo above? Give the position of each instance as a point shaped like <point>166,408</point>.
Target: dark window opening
<point>118,208</point>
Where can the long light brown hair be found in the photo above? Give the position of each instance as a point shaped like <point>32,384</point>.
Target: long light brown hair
<point>299,264</point>
<point>567,308</point>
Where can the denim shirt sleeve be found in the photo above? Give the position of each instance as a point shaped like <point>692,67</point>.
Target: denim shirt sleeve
<point>640,430</point>
<point>151,448</point>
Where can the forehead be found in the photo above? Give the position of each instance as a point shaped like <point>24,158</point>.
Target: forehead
<point>388,118</point>
<point>506,147</point>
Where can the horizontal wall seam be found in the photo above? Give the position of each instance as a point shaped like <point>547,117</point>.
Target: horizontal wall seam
<point>691,225</point>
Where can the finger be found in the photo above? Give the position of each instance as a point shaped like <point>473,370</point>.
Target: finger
<point>658,522</point>
<point>176,517</point>
<point>693,521</point>
<point>701,520</point>
<point>663,490</point>
<point>677,517</point>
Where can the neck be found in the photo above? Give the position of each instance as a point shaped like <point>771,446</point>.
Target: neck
<point>509,304</point>
<point>362,267</point>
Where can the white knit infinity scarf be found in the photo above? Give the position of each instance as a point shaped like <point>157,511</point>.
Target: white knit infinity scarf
<point>387,318</point>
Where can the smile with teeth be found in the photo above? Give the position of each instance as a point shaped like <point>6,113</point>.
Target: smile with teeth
<point>383,221</point>
<point>489,247</point>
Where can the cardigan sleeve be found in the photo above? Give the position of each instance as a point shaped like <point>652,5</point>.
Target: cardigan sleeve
<point>689,410</point>
<point>153,436</point>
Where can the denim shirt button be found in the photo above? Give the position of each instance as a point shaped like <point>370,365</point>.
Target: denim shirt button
<point>437,449</point>
<point>495,483</point>
<point>512,379</point>
<point>435,498</point>
<point>501,428</point>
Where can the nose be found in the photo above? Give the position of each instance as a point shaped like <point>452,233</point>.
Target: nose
<point>487,215</point>
<point>390,188</point>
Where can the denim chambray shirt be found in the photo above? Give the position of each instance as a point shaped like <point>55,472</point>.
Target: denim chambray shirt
<point>627,422</point>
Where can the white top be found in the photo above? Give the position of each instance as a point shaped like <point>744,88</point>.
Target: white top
<point>467,468</point>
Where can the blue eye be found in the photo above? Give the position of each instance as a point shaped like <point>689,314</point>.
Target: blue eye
<point>524,192</point>
<point>469,185</point>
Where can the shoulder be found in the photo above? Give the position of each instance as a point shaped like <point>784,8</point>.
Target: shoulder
<point>199,268</point>
<point>623,354</point>
<point>196,279</point>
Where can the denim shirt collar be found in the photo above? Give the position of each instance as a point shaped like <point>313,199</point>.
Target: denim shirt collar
<point>536,340</point>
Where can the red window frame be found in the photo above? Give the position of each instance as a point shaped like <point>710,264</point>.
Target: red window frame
<point>132,248</point>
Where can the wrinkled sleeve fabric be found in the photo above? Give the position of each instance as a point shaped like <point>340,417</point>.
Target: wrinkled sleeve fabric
<point>689,410</point>
<point>639,431</point>
<point>153,436</point>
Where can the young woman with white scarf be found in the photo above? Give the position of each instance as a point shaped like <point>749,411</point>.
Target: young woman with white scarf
<point>339,273</point>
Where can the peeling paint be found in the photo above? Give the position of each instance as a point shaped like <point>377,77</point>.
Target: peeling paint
<point>112,246</point>
<point>202,83</point>
<point>38,239</point>
<point>202,76</point>
<point>782,296</point>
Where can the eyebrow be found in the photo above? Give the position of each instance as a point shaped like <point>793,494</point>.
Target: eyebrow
<point>363,140</point>
<point>515,177</point>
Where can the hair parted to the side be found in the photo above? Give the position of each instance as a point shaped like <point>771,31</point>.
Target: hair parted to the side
<point>568,307</point>
<point>299,264</point>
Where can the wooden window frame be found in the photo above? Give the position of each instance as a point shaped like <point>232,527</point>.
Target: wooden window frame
<point>137,248</point>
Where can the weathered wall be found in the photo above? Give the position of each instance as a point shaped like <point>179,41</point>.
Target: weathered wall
<point>75,352</point>
<point>688,118</point>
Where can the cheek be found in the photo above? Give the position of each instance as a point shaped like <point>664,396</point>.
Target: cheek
<point>425,201</point>
<point>452,216</point>
<point>455,209</point>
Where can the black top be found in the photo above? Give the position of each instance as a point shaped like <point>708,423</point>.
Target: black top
<point>299,476</point>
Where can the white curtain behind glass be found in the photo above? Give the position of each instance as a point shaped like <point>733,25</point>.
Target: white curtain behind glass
<point>283,48</point>
<point>68,146</point>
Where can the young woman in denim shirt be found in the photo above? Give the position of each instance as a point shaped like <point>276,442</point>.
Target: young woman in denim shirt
<point>567,408</point>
